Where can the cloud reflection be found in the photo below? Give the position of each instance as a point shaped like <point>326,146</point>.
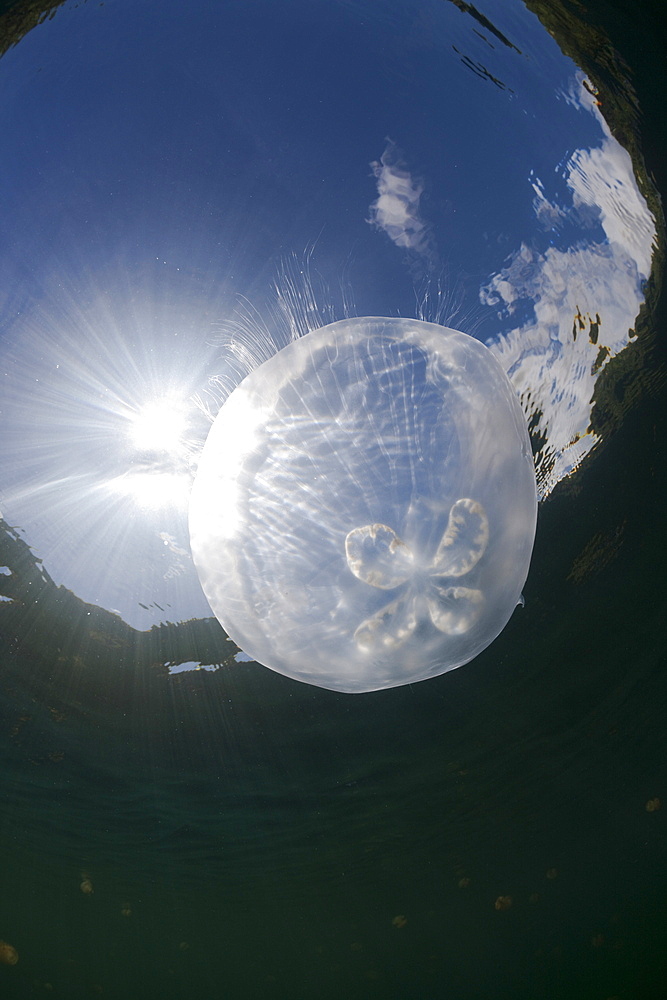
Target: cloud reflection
<point>582,300</point>
<point>396,210</point>
<point>564,309</point>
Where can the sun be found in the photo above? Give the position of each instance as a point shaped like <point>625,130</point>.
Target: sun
<point>159,426</point>
<point>158,454</point>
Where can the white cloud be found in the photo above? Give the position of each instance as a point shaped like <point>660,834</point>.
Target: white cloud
<point>396,211</point>
<point>584,299</point>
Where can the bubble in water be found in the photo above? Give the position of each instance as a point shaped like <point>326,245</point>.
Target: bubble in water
<point>364,510</point>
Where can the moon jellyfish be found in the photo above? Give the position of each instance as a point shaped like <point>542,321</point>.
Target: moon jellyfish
<point>364,510</point>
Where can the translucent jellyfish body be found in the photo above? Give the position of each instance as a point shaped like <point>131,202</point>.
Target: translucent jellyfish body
<point>364,510</point>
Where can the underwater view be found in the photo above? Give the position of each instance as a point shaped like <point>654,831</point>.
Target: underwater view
<point>333,619</point>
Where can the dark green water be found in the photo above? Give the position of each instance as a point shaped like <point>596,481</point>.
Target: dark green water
<point>276,829</point>
<point>263,835</point>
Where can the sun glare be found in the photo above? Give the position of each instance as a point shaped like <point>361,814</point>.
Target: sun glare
<point>154,490</point>
<point>159,427</point>
<point>159,435</point>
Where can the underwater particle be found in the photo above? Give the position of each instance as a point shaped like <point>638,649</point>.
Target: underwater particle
<point>126,911</point>
<point>597,940</point>
<point>364,510</point>
<point>534,897</point>
<point>653,805</point>
<point>86,886</point>
<point>463,883</point>
<point>356,946</point>
<point>8,954</point>
<point>599,551</point>
<point>399,921</point>
<point>184,946</point>
<point>552,873</point>
<point>503,902</point>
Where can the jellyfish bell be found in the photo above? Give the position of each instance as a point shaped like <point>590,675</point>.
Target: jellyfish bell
<point>364,510</point>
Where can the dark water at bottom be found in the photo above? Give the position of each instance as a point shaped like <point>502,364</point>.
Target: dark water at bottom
<point>246,836</point>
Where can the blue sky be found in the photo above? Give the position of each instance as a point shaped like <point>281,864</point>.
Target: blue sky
<point>161,160</point>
